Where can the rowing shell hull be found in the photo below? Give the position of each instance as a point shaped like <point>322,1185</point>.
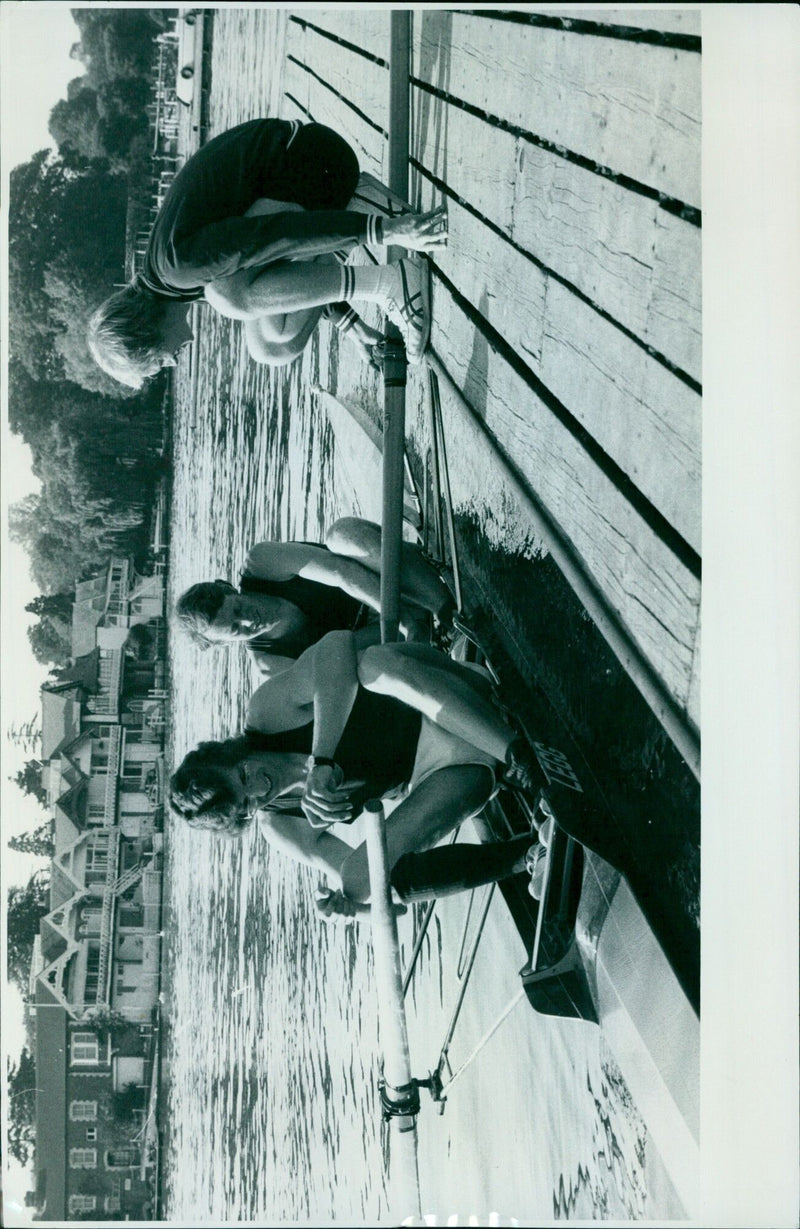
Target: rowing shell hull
<point>613,972</point>
<point>357,461</point>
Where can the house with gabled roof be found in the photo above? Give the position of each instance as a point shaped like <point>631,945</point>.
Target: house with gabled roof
<point>96,968</point>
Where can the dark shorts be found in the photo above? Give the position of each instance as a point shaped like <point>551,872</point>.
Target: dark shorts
<point>320,170</point>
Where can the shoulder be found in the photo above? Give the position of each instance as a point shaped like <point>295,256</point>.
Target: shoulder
<point>284,701</point>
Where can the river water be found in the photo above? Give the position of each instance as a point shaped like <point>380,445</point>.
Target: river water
<point>272,1035</point>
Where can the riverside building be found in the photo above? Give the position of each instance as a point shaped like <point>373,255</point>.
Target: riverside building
<point>95,972</point>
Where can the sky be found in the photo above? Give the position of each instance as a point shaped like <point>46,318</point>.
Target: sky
<point>35,73</point>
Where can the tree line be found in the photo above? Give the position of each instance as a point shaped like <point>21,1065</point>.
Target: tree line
<point>96,444</point>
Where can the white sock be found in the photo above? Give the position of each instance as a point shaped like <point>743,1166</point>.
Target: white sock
<point>374,284</point>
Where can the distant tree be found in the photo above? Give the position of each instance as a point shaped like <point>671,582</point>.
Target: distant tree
<point>47,644</point>
<point>71,226</point>
<point>52,605</point>
<point>125,1101</point>
<point>26,907</point>
<point>107,1022</point>
<point>67,529</point>
<point>75,123</point>
<point>116,42</point>
<point>51,637</point>
<point>30,401</point>
<point>21,1101</point>
<point>29,779</point>
<point>31,243</point>
<point>39,842</point>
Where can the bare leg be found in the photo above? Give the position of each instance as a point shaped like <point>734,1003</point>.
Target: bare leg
<point>443,801</point>
<point>279,340</point>
<point>284,286</point>
<point>361,540</point>
<point>440,689</point>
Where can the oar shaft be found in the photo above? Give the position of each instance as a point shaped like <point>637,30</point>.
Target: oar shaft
<point>386,951</point>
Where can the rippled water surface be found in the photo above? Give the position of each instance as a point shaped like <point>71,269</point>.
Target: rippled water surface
<point>272,1022</point>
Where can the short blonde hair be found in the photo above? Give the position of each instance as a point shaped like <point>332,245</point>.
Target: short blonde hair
<point>197,608</point>
<point>125,334</point>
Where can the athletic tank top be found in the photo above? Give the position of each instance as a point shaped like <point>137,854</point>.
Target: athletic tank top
<point>377,748</point>
<point>326,608</point>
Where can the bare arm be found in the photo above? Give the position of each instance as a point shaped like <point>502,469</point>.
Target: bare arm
<point>283,560</point>
<point>320,851</point>
<point>322,684</point>
<point>314,847</point>
<point>223,248</point>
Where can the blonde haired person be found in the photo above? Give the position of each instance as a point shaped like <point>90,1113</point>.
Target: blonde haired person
<point>256,224</point>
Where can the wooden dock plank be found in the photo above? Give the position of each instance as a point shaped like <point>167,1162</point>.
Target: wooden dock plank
<point>592,272</point>
<point>643,416</point>
<point>672,21</point>
<point>325,107</point>
<point>631,258</point>
<point>646,419</point>
<point>352,76</point>
<point>654,594</point>
<point>365,28</point>
<point>295,82</point>
<point>634,109</point>
<point>693,705</point>
<point>508,290</point>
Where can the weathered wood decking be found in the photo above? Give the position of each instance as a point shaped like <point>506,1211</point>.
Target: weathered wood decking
<point>567,307</point>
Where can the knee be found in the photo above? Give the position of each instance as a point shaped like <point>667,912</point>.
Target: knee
<point>355,876</point>
<point>271,353</point>
<point>228,296</point>
<point>378,664</point>
<point>278,357</point>
<point>351,535</point>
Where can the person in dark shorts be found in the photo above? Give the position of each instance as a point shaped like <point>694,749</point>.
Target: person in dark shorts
<point>292,593</point>
<point>340,727</point>
<point>253,224</point>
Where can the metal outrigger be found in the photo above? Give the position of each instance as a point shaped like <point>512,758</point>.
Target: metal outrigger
<point>441,1079</point>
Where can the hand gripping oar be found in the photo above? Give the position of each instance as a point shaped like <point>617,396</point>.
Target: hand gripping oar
<point>399,1091</point>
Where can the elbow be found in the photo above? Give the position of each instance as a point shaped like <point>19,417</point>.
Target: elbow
<point>373,664</point>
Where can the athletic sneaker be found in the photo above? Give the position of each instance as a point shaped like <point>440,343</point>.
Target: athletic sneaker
<point>522,767</point>
<point>546,832</point>
<point>409,308</point>
<point>535,865</point>
<point>543,819</point>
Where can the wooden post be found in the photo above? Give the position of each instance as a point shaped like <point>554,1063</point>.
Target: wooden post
<point>394,356</point>
<point>399,100</point>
